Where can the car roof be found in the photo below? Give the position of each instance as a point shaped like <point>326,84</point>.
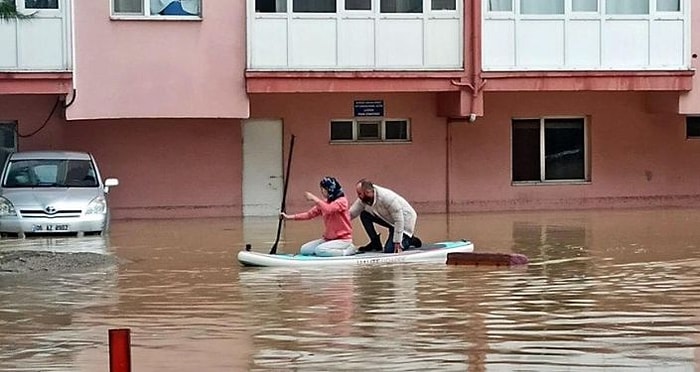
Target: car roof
<point>28,155</point>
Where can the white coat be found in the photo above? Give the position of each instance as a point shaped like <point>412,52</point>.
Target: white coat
<point>392,208</point>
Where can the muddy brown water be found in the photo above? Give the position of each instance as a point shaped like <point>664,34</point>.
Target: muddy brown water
<point>605,290</point>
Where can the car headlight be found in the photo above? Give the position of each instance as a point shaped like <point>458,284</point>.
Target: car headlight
<point>6,208</point>
<point>97,205</point>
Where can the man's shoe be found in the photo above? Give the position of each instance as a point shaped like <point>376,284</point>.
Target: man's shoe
<point>415,242</point>
<point>371,247</point>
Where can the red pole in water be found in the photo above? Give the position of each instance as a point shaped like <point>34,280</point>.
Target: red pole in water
<point>119,350</point>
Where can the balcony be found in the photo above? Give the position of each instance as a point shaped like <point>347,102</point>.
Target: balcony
<point>351,36</point>
<point>39,44</point>
<point>586,35</point>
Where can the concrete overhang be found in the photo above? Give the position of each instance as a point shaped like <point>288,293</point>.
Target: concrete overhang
<point>16,82</point>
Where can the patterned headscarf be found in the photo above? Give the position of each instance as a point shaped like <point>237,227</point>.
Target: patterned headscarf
<point>333,187</point>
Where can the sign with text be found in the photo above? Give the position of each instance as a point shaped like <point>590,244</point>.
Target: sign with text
<point>369,108</point>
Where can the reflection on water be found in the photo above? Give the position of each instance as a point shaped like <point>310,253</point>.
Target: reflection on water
<point>90,244</point>
<point>607,290</point>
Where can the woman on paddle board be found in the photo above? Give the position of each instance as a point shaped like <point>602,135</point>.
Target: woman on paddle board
<point>337,237</point>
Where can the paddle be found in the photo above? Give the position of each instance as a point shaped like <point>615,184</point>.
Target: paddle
<point>273,250</point>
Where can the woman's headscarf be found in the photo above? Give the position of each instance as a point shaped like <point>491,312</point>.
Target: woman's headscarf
<point>333,187</point>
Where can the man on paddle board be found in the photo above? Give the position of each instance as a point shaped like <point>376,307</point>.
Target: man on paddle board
<point>376,204</point>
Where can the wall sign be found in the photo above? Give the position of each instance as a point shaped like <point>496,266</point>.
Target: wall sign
<point>369,108</point>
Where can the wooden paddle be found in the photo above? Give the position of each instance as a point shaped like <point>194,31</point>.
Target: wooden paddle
<point>273,250</point>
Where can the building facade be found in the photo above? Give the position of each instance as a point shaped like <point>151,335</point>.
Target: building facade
<point>458,105</point>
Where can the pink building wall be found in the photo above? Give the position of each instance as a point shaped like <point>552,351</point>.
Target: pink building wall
<point>638,157</point>
<point>415,170</point>
<point>159,68</point>
<point>690,102</point>
<point>638,152</point>
<point>166,168</point>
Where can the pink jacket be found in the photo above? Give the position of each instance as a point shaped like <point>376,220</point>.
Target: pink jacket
<point>336,218</point>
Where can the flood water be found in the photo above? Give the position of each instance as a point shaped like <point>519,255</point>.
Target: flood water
<point>605,290</point>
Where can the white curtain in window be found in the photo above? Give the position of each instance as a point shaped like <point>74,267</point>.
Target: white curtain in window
<point>627,6</point>
<point>128,6</point>
<point>190,6</point>
<point>584,5</point>
<point>668,5</point>
<point>500,5</point>
<point>541,6</point>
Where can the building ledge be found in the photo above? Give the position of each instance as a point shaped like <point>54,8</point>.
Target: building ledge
<point>350,81</point>
<point>450,81</point>
<point>36,82</point>
<point>588,81</point>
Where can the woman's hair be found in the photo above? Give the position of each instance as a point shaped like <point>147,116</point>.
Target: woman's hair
<point>335,190</point>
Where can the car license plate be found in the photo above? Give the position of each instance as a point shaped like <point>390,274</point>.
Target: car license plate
<point>49,228</point>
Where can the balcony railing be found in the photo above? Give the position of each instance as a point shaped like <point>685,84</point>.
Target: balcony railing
<point>40,43</point>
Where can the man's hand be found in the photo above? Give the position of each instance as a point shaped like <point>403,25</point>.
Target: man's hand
<point>398,248</point>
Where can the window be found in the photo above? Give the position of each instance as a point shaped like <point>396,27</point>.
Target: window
<point>8,140</point>
<point>618,7</point>
<point>692,126</point>
<point>156,8</point>
<point>584,5</point>
<point>40,4</point>
<point>341,130</point>
<point>51,173</point>
<point>443,5</point>
<point>370,130</point>
<point>549,150</point>
<point>668,5</point>
<point>396,129</point>
<point>541,6</point>
<point>313,6</point>
<point>358,4</point>
<point>271,6</point>
<point>401,6</point>
<point>627,7</point>
<point>500,5</point>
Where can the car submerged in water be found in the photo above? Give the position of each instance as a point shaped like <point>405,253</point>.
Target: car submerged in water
<point>53,193</point>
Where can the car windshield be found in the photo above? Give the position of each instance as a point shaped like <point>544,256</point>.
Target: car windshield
<point>51,173</point>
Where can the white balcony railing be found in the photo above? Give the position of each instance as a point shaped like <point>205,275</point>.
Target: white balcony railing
<point>428,37</point>
<point>40,43</point>
<point>586,35</point>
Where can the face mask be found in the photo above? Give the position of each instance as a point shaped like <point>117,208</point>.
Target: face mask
<point>367,200</point>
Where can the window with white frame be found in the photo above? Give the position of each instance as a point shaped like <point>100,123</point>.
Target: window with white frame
<point>370,130</point>
<point>584,5</point>
<point>549,149</point>
<point>329,6</point>
<point>271,6</point>
<point>358,4</point>
<point>541,6</point>
<point>692,127</point>
<point>443,5</point>
<point>313,6</point>
<point>401,6</point>
<point>156,8</point>
<point>40,4</point>
<point>500,5</point>
<point>611,7</point>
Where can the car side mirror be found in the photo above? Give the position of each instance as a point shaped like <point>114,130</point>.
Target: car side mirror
<point>111,182</point>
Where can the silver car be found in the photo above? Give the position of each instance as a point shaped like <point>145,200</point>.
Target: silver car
<point>53,193</point>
